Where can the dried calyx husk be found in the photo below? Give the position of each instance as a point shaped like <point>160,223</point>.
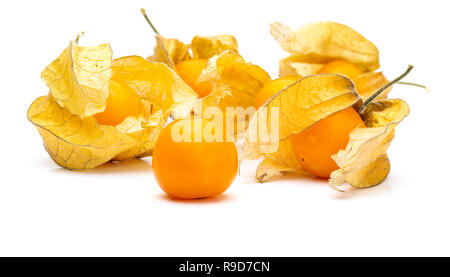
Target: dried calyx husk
<point>235,82</point>
<point>316,44</point>
<point>78,80</point>
<point>235,85</point>
<point>172,51</point>
<point>363,163</point>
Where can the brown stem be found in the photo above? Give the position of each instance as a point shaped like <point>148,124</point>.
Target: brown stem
<point>80,34</point>
<point>148,21</point>
<point>383,88</point>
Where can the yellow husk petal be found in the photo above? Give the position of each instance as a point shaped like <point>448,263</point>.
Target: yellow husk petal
<point>322,42</point>
<point>235,82</point>
<point>364,162</point>
<point>281,161</point>
<point>207,47</point>
<point>294,66</point>
<point>143,132</point>
<point>78,78</point>
<point>170,51</point>
<point>299,106</point>
<point>367,83</point>
<point>160,88</point>
<point>370,175</point>
<point>315,44</point>
<point>72,142</point>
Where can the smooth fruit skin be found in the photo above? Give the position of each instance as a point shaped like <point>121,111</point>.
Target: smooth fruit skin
<point>274,86</point>
<point>314,146</point>
<point>190,170</point>
<point>189,71</point>
<point>122,102</point>
<point>341,67</point>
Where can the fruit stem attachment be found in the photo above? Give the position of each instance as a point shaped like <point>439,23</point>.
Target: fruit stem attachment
<point>414,84</point>
<point>148,20</point>
<point>383,88</point>
<point>80,34</point>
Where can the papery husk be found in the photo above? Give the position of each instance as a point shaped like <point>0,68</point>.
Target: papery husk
<point>322,42</point>
<point>364,162</point>
<point>297,107</point>
<point>72,136</point>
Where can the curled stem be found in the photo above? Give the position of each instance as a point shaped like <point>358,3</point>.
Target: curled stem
<point>148,21</point>
<point>383,88</point>
<point>80,34</point>
<point>414,84</point>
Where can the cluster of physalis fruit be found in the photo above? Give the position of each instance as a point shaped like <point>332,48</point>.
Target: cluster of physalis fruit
<point>334,118</point>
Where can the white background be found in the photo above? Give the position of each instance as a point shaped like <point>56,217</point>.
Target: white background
<point>118,209</point>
